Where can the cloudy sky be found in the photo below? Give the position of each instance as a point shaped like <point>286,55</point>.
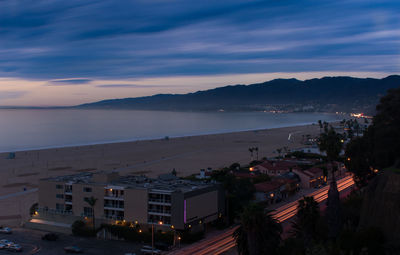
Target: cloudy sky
<point>71,52</point>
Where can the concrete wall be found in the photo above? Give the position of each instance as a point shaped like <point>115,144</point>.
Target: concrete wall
<point>47,194</point>
<point>177,210</point>
<point>136,205</point>
<point>202,206</point>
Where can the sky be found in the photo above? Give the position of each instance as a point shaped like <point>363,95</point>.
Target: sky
<point>72,52</point>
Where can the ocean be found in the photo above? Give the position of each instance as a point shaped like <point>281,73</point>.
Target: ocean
<point>26,129</point>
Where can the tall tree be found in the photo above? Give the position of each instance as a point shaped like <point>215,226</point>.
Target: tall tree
<point>333,212</point>
<point>251,153</point>
<point>92,202</point>
<point>330,142</point>
<point>384,132</point>
<point>258,233</point>
<point>305,225</point>
<point>358,160</point>
<point>320,125</point>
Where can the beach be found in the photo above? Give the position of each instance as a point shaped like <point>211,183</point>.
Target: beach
<point>19,176</point>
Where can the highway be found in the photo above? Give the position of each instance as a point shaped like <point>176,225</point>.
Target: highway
<point>220,243</point>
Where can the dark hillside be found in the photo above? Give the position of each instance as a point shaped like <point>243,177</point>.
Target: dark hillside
<point>325,94</point>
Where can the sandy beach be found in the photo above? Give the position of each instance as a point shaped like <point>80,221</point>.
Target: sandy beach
<point>152,157</point>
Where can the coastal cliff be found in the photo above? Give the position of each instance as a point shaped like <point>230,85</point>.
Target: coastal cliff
<point>381,206</point>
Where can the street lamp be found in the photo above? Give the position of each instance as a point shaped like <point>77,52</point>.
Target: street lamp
<point>152,236</point>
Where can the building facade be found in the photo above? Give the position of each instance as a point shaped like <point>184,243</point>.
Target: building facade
<point>167,201</point>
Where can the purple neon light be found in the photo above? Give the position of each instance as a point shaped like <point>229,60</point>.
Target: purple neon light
<point>184,211</point>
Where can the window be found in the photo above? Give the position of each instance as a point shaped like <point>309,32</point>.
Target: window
<point>88,211</point>
<point>59,196</point>
<point>60,207</point>
<point>87,189</point>
<point>59,186</point>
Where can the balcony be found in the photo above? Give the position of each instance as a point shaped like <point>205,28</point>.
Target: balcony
<point>156,201</point>
<point>113,197</point>
<point>159,212</point>
<point>116,207</point>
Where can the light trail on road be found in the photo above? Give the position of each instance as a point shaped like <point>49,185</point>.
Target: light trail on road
<point>223,242</point>
<point>287,211</point>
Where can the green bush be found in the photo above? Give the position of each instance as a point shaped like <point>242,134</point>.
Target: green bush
<point>79,228</point>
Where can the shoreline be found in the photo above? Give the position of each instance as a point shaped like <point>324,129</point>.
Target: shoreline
<point>154,138</point>
<point>145,157</point>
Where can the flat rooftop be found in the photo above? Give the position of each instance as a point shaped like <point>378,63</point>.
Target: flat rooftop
<point>165,182</point>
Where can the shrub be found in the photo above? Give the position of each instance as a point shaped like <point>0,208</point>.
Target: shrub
<point>79,228</point>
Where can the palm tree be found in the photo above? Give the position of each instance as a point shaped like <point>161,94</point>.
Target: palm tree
<point>92,202</point>
<point>251,153</point>
<point>305,226</point>
<point>279,152</point>
<point>330,142</point>
<point>258,233</point>
<point>256,149</point>
<point>320,125</point>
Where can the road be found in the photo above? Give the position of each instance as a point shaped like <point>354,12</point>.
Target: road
<point>32,243</point>
<point>218,244</point>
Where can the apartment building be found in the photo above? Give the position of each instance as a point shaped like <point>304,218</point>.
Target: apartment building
<point>169,200</point>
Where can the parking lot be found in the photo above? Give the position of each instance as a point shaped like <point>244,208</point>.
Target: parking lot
<point>32,243</point>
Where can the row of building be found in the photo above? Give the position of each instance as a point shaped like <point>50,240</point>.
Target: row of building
<point>288,177</point>
<point>166,201</point>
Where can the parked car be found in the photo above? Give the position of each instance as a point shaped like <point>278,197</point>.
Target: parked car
<point>6,242</point>
<point>73,249</point>
<point>2,246</point>
<point>15,247</point>
<point>6,230</point>
<point>50,237</point>
<point>146,249</point>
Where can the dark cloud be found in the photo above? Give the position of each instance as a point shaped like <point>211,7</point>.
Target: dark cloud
<point>130,39</point>
<point>64,82</point>
<point>124,86</point>
<point>133,86</point>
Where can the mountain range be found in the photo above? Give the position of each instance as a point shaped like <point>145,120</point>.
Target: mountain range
<point>327,94</point>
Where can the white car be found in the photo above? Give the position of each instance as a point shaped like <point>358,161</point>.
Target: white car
<point>6,242</point>
<point>5,230</point>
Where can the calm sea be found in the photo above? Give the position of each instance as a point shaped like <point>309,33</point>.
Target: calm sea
<point>33,129</point>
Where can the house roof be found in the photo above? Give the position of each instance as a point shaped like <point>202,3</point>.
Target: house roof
<point>268,186</point>
<point>315,170</point>
<point>277,165</point>
<point>245,174</point>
